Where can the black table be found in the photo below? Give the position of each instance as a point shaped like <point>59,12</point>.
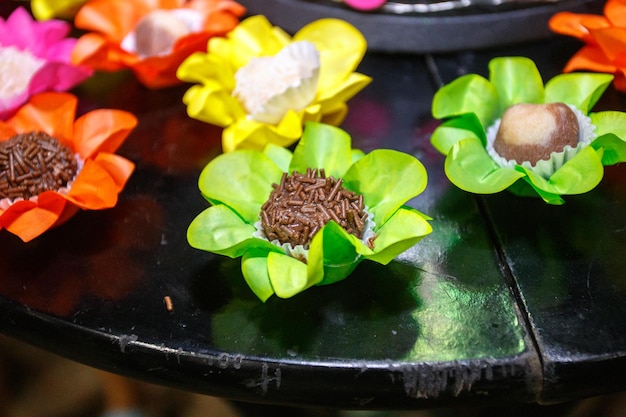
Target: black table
<point>508,300</point>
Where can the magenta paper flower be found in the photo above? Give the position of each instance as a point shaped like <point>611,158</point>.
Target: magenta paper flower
<point>34,57</point>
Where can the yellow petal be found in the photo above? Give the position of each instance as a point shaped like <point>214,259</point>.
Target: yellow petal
<point>255,36</point>
<point>336,116</point>
<point>341,48</point>
<point>211,104</point>
<point>344,89</point>
<point>48,9</point>
<point>204,68</point>
<point>248,134</point>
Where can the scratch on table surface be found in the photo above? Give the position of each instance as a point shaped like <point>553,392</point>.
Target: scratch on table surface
<point>588,282</point>
<point>125,340</point>
<point>266,379</point>
<point>426,382</point>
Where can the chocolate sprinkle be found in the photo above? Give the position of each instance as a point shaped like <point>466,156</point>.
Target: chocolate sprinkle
<point>302,204</point>
<point>31,163</point>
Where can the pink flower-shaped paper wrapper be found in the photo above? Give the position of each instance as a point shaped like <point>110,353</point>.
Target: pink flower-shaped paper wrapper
<point>45,40</point>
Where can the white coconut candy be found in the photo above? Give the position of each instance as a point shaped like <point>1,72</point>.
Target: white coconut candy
<point>268,87</point>
<point>17,68</point>
<point>157,32</point>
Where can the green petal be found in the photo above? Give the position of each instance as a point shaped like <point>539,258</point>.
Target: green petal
<point>337,247</point>
<point>402,231</point>
<point>580,174</point>
<point>470,93</point>
<point>527,188</point>
<point>220,230</point>
<point>470,168</point>
<point>609,122</point>
<point>322,146</point>
<point>524,188</point>
<point>611,131</point>
<point>242,180</point>
<point>357,154</point>
<point>578,89</point>
<point>612,147</point>
<point>287,275</point>
<point>280,155</point>
<point>339,256</point>
<point>387,179</point>
<point>577,176</point>
<point>517,80</point>
<point>451,131</point>
<point>315,263</point>
<point>254,269</point>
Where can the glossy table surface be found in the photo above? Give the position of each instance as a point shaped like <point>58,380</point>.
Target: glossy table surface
<point>508,300</point>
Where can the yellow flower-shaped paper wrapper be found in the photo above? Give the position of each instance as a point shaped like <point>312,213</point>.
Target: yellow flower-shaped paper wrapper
<point>340,46</point>
<point>471,104</point>
<point>237,184</point>
<point>604,38</point>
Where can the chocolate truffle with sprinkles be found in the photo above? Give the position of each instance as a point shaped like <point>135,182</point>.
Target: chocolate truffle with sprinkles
<point>308,217</point>
<point>302,204</point>
<point>31,163</point>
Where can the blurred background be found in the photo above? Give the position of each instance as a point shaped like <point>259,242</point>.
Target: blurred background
<point>35,383</point>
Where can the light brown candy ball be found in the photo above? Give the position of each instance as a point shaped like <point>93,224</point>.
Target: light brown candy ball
<point>531,132</point>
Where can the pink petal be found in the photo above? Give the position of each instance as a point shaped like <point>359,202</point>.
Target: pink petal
<point>22,31</point>
<point>46,40</point>
<point>60,51</point>
<point>57,76</point>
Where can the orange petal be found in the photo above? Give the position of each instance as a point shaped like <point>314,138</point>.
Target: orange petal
<point>28,219</point>
<point>113,18</point>
<point>94,51</point>
<point>615,11</point>
<point>51,112</point>
<point>160,71</point>
<point>119,168</point>
<point>577,25</point>
<point>612,41</point>
<point>162,4</point>
<point>6,132</point>
<point>94,188</point>
<point>620,80</point>
<point>221,15</point>
<point>590,58</point>
<point>102,130</point>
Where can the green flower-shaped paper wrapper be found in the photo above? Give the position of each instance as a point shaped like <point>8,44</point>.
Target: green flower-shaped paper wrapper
<point>237,184</point>
<point>471,104</point>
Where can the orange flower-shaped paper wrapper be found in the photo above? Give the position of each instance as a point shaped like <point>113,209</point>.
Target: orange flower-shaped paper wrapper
<point>604,37</point>
<point>93,137</point>
<point>113,43</point>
